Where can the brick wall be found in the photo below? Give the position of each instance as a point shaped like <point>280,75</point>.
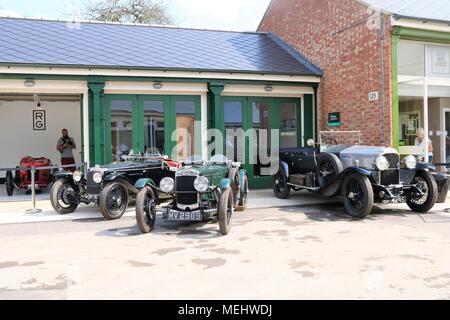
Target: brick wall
<point>334,35</point>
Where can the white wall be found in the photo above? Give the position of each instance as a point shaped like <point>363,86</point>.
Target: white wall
<point>17,138</point>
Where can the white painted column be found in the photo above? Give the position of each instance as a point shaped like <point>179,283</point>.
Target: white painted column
<point>425,118</point>
<point>303,118</point>
<point>86,125</point>
<point>204,124</point>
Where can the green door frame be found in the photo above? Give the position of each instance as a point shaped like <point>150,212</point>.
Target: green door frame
<point>137,102</point>
<point>274,123</point>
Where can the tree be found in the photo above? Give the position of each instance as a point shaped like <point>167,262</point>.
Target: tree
<point>129,11</point>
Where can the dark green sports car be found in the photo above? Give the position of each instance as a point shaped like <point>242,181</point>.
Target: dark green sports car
<point>201,191</point>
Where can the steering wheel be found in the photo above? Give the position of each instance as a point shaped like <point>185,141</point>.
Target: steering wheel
<point>332,141</point>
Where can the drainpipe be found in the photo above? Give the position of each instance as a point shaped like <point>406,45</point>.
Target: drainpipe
<point>383,90</point>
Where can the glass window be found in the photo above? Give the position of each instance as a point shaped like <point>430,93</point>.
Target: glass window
<point>121,129</point>
<point>438,124</point>
<point>154,127</point>
<point>288,127</point>
<point>411,58</point>
<point>411,111</point>
<point>185,122</point>
<point>233,114</point>
<point>261,117</point>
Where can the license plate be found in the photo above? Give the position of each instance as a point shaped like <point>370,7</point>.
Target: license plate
<point>185,216</point>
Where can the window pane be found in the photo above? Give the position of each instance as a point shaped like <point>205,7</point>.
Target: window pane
<point>154,127</point>
<point>233,111</point>
<point>411,58</point>
<point>261,122</point>
<point>288,128</point>
<point>185,129</point>
<point>438,125</point>
<point>121,129</point>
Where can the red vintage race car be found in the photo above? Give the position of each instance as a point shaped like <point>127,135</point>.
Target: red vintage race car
<point>22,178</point>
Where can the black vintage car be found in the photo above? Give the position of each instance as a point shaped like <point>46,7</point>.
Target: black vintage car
<point>110,186</point>
<point>362,175</point>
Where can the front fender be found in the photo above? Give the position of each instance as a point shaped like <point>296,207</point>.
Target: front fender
<point>285,167</point>
<point>144,182</point>
<point>62,174</point>
<point>334,187</point>
<point>242,177</point>
<point>424,166</point>
<point>224,184</point>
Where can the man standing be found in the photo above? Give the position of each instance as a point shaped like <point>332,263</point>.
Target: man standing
<point>65,146</point>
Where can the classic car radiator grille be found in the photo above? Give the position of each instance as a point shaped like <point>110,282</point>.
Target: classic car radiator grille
<point>91,186</point>
<point>393,159</point>
<point>390,177</point>
<point>185,184</point>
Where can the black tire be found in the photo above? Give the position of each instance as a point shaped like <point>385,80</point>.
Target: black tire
<point>114,201</point>
<point>242,205</point>
<point>357,194</point>
<point>9,183</point>
<point>58,197</point>
<point>226,211</point>
<point>280,186</point>
<point>428,185</point>
<point>329,167</point>
<point>233,175</point>
<point>146,210</point>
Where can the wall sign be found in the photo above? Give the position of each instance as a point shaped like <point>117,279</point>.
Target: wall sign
<point>373,96</point>
<point>438,64</point>
<point>39,120</point>
<point>334,119</point>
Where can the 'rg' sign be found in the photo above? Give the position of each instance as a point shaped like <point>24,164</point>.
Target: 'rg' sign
<point>39,123</point>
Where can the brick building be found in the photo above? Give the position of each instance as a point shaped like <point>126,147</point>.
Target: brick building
<point>386,65</point>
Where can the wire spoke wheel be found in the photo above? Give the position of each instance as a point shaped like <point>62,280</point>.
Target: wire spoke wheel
<point>114,201</point>
<point>280,185</point>
<point>146,210</point>
<point>357,194</point>
<point>423,187</point>
<point>427,185</point>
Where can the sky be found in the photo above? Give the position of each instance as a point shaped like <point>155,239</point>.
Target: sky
<point>239,15</point>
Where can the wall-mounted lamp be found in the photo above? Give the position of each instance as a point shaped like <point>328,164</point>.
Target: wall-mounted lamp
<point>37,101</point>
<point>157,85</point>
<point>268,88</point>
<point>29,83</point>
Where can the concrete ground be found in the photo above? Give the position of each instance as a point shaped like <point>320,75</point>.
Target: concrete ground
<point>307,250</point>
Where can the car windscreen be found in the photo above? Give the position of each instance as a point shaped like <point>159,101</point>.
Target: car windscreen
<point>219,158</point>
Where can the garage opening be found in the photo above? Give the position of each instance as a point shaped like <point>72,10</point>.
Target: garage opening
<point>30,125</point>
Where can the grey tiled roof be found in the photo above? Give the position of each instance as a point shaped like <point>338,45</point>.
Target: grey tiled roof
<point>438,10</point>
<point>39,42</point>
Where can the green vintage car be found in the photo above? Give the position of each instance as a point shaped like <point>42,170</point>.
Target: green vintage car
<point>201,191</point>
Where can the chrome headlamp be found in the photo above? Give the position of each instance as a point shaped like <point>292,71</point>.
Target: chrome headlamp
<point>201,184</point>
<point>410,162</point>
<point>167,185</point>
<point>382,163</point>
<point>77,176</point>
<point>98,177</point>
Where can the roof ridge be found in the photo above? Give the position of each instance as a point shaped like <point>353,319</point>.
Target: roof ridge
<point>128,24</point>
<point>294,53</point>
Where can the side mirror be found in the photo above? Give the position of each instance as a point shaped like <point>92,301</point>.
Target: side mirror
<point>310,142</point>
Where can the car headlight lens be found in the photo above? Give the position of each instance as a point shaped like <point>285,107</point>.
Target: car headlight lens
<point>410,162</point>
<point>98,177</point>
<point>77,176</point>
<point>382,163</point>
<point>167,185</point>
<point>201,184</point>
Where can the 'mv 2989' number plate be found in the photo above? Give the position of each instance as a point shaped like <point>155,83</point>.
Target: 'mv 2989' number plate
<point>185,216</point>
